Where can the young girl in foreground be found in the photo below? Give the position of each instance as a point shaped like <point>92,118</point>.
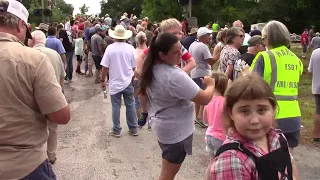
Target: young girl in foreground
<point>212,114</point>
<point>253,148</point>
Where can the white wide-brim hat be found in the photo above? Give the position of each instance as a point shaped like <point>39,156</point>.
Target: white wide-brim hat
<point>120,33</point>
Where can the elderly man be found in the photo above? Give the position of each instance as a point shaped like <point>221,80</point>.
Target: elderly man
<point>32,96</point>
<point>108,20</point>
<point>120,56</point>
<point>37,43</point>
<point>43,27</point>
<point>315,42</point>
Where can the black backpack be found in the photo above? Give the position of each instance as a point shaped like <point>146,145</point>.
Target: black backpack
<point>267,166</point>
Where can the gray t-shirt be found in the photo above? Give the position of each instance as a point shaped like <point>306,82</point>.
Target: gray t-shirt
<point>170,108</point>
<point>200,52</point>
<point>314,68</point>
<point>315,42</point>
<point>287,125</point>
<point>95,41</point>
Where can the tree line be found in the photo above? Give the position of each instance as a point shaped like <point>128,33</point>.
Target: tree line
<point>296,14</point>
<point>60,10</point>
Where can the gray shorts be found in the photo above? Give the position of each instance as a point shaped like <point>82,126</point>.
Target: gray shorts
<point>293,138</point>
<point>176,153</point>
<point>212,145</point>
<point>317,100</point>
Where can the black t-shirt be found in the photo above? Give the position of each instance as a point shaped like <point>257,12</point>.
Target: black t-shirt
<point>248,58</point>
<point>66,41</point>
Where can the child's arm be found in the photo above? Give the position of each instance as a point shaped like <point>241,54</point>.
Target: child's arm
<point>205,119</point>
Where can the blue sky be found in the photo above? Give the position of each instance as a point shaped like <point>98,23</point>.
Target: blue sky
<point>93,4</point>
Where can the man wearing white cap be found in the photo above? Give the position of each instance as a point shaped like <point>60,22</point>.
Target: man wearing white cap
<point>32,96</point>
<point>121,57</point>
<point>201,54</point>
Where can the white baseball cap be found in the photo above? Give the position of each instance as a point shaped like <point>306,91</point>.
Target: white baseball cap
<point>16,8</point>
<point>203,31</point>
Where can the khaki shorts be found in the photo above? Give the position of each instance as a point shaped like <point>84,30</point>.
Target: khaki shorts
<point>90,59</point>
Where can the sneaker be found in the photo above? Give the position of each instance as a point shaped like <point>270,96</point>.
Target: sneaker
<point>114,133</point>
<point>142,119</point>
<point>133,133</point>
<point>66,81</point>
<point>149,125</point>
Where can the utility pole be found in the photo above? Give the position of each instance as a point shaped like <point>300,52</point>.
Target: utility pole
<point>42,4</point>
<point>190,8</point>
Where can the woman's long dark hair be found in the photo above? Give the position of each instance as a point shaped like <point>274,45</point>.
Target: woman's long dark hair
<point>161,43</point>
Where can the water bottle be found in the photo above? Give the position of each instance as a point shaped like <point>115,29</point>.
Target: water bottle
<point>105,94</point>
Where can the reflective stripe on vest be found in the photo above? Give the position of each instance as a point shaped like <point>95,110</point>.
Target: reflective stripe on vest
<point>273,81</point>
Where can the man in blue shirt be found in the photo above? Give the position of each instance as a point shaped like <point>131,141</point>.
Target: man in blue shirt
<point>53,43</point>
<point>186,42</point>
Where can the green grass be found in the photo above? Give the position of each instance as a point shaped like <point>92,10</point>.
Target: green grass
<point>306,100</point>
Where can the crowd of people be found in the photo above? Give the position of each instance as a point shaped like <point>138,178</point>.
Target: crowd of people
<point>165,74</point>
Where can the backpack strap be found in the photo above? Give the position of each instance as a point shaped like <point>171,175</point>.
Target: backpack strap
<point>236,146</point>
<point>285,148</point>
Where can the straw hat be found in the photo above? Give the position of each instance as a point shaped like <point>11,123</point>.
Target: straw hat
<point>193,31</point>
<point>43,26</point>
<point>123,17</point>
<point>120,33</point>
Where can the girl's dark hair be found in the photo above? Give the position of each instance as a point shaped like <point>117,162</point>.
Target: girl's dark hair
<point>161,43</point>
<point>221,82</point>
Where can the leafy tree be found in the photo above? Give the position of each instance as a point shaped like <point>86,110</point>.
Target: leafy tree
<point>60,10</point>
<point>158,10</point>
<point>84,9</point>
<point>116,8</point>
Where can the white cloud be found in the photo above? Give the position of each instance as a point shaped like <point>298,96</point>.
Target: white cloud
<point>94,5</point>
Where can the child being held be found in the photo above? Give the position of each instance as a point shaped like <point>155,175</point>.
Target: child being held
<point>253,149</point>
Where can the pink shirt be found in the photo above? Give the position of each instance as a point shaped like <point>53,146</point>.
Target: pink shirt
<point>214,112</point>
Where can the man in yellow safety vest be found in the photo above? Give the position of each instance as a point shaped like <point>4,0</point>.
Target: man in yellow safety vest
<point>281,69</point>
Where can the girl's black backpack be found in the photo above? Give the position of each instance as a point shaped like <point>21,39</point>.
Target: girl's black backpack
<point>267,166</point>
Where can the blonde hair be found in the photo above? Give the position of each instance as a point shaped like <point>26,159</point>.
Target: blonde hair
<point>250,87</point>
<point>141,38</point>
<point>169,23</point>
<point>87,23</point>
